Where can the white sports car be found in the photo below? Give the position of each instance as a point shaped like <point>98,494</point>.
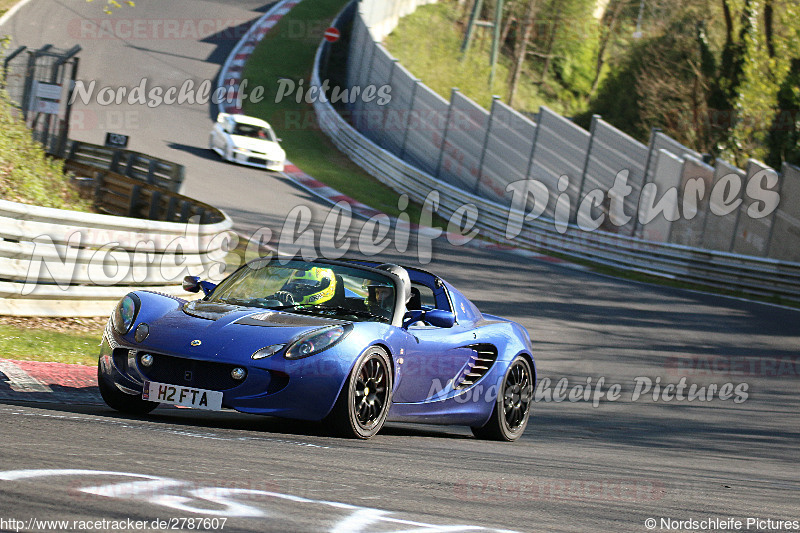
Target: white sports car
<point>248,141</point>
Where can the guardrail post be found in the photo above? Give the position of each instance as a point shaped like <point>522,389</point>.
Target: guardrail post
<point>453,93</point>
<point>133,205</point>
<point>99,184</point>
<point>595,118</point>
<point>408,117</point>
<point>172,208</point>
<point>495,98</point>
<point>113,166</point>
<point>651,145</point>
<point>385,113</point>
<point>151,172</point>
<point>533,144</point>
<point>186,209</point>
<point>155,205</point>
<point>129,168</point>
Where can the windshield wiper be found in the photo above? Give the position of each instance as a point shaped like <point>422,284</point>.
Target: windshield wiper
<point>287,306</point>
<point>351,311</point>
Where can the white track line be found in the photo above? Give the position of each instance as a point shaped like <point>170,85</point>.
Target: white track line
<point>21,381</point>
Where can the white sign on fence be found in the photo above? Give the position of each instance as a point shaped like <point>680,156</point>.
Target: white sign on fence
<point>50,91</point>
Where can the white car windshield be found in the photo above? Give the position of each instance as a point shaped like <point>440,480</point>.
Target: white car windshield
<point>255,132</point>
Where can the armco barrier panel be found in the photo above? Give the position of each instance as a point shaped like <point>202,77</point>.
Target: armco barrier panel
<point>694,190</point>
<point>464,139</point>
<point>753,230</point>
<point>397,111</point>
<point>612,154</point>
<point>786,225</point>
<point>132,164</point>
<point>720,226</point>
<point>371,110</point>
<point>660,198</point>
<point>660,141</point>
<point>426,129</point>
<point>560,149</point>
<point>506,157</point>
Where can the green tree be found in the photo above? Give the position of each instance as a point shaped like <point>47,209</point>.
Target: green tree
<point>783,140</point>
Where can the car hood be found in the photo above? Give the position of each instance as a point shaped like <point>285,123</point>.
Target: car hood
<point>270,148</point>
<point>226,331</point>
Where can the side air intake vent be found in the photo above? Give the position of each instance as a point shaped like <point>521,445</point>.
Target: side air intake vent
<point>482,359</point>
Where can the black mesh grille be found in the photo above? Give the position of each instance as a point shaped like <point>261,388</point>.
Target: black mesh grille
<point>482,359</point>
<point>189,373</point>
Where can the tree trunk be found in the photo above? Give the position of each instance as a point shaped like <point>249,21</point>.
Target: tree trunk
<point>551,41</point>
<point>768,30</point>
<point>520,53</point>
<point>506,29</point>
<point>610,21</point>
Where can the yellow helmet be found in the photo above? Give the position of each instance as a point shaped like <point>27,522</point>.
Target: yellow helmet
<point>314,286</point>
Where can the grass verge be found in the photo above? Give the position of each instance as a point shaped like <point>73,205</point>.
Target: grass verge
<point>27,174</point>
<point>5,5</point>
<point>434,28</point>
<point>59,340</point>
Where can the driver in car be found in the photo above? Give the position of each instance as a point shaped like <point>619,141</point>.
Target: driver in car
<point>314,286</point>
<point>380,300</point>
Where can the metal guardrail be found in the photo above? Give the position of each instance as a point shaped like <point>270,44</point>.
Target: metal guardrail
<point>138,166</point>
<point>56,262</point>
<point>119,195</point>
<point>739,273</point>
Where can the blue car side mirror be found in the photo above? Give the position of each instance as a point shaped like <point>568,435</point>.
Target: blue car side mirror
<point>193,284</point>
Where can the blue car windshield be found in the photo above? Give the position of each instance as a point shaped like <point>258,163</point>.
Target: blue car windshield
<point>310,288</point>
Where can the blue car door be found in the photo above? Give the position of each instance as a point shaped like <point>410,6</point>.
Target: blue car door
<point>434,358</point>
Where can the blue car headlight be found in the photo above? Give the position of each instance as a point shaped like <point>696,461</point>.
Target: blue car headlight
<point>125,313</point>
<point>317,341</point>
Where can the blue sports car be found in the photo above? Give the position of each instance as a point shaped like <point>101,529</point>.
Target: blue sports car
<point>353,343</point>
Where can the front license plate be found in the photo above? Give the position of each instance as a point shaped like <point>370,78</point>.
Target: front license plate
<point>185,396</point>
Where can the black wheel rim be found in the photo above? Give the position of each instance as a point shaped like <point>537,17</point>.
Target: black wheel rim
<point>517,396</point>
<point>371,392</point>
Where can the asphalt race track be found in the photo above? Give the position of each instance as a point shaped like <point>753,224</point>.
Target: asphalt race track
<point>579,467</point>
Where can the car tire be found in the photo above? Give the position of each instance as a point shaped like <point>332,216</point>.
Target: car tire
<point>512,408</point>
<point>125,403</point>
<point>364,401</point>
